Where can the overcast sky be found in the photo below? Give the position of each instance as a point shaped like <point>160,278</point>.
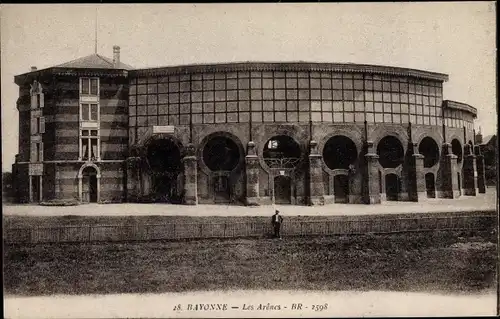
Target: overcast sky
<point>453,38</point>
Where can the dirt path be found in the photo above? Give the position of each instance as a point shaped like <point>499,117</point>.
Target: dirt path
<point>464,203</point>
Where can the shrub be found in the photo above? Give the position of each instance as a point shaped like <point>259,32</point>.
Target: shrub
<point>60,202</point>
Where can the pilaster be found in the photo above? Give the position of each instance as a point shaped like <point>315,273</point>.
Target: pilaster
<point>316,186</point>
<point>481,178</point>
<point>190,176</point>
<point>448,186</point>
<point>416,178</point>
<point>133,178</point>
<point>252,172</point>
<point>371,191</point>
<point>469,170</point>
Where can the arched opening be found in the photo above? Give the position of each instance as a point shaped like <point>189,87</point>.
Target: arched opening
<point>341,188</point>
<point>282,190</point>
<point>430,150</point>
<point>390,152</point>
<point>339,152</point>
<point>430,185</point>
<point>456,149</point>
<point>281,152</point>
<point>221,155</point>
<point>89,185</point>
<point>459,183</point>
<point>392,187</point>
<point>164,158</point>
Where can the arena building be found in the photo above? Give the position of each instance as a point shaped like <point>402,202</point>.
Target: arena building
<point>97,130</point>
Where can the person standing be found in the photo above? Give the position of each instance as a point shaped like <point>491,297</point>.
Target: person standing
<point>277,220</point>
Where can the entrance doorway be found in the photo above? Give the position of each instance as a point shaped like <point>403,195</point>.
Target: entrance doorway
<point>341,188</point>
<point>392,187</point>
<point>164,159</point>
<point>282,190</point>
<point>430,185</point>
<point>35,188</point>
<point>222,191</point>
<point>222,153</point>
<point>89,185</point>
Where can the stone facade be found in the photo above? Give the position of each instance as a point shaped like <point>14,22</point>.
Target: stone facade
<point>355,132</point>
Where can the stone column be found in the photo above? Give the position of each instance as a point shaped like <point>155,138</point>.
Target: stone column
<point>371,191</point>
<point>190,176</point>
<point>481,178</point>
<point>133,182</point>
<point>448,186</point>
<point>98,177</point>
<point>316,187</point>
<point>468,169</point>
<point>252,172</point>
<point>30,183</point>
<point>416,189</point>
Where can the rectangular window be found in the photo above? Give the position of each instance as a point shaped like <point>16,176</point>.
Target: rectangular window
<point>40,125</point>
<point>89,86</point>
<point>85,112</point>
<point>85,89</point>
<point>89,112</point>
<point>89,145</point>
<point>93,112</point>
<point>37,152</point>
<point>93,86</point>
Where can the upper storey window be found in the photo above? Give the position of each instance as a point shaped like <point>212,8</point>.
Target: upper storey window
<point>37,96</point>
<point>90,112</point>
<point>89,86</point>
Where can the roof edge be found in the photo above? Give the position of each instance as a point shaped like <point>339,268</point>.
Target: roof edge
<point>21,78</point>
<point>291,66</point>
<point>460,106</point>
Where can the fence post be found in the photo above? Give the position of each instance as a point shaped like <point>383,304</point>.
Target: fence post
<point>225,227</point>
<point>201,230</point>
<point>60,233</point>
<point>301,226</point>
<point>90,232</point>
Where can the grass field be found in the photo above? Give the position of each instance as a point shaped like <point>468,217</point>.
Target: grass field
<point>442,262</point>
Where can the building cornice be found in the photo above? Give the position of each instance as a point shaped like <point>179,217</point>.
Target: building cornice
<point>460,106</point>
<point>290,66</point>
<point>29,77</point>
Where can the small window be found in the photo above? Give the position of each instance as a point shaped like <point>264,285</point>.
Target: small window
<point>85,112</point>
<point>273,144</point>
<point>89,86</point>
<point>85,86</point>
<point>37,158</point>
<point>89,145</point>
<point>90,112</point>
<point>93,148</point>
<point>93,112</point>
<point>93,86</point>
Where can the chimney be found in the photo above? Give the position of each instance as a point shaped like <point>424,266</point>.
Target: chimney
<point>116,56</point>
<point>33,68</point>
